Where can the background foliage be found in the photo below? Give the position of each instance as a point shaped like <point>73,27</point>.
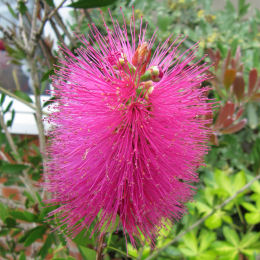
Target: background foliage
<point>223,221</point>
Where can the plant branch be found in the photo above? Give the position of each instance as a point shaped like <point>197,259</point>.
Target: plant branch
<point>220,206</point>
<point>100,247</point>
<point>37,95</point>
<point>10,94</point>
<point>11,37</point>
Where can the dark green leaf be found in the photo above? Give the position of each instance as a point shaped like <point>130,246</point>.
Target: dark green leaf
<point>35,234</point>
<point>22,256</point>
<point>50,3</point>
<point>10,122</point>
<point>48,102</point>
<point>13,168</point>
<point>24,215</point>
<point>10,222</point>
<point>22,7</point>
<point>2,99</point>
<point>91,3</point>
<point>3,211</point>
<point>8,107</point>
<point>23,96</point>
<point>46,75</point>
<point>46,246</point>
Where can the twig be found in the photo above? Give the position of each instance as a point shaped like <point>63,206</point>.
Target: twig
<point>10,94</point>
<point>49,16</point>
<point>100,247</point>
<point>60,22</point>
<point>37,95</point>
<point>22,29</point>
<point>220,206</point>
<point>56,31</point>
<point>15,40</point>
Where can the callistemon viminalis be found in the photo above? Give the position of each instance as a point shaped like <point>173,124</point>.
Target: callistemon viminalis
<point>129,132</point>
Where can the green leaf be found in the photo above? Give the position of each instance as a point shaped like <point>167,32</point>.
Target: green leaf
<point>23,96</point>
<point>249,206</point>
<point>11,10</point>
<point>46,246</point>
<point>91,3</point>
<point>187,252</point>
<point>223,247</point>
<point>50,3</point>
<point>47,74</point>
<point>13,168</point>
<point>3,211</point>
<point>239,181</point>
<point>10,122</point>
<point>249,239</point>
<point>223,181</point>
<point>3,96</point>
<point>231,236</point>
<point>206,239</point>
<point>10,222</point>
<point>252,218</point>
<point>48,102</point>
<point>22,7</point>
<point>24,215</point>
<point>202,207</point>
<point>87,253</point>
<point>83,238</point>
<point>191,242</point>
<point>242,8</point>
<point>22,256</point>
<point>8,107</point>
<point>256,187</point>
<point>35,234</point>
<point>213,221</point>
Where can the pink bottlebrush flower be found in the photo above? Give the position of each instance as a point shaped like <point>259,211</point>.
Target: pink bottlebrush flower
<point>129,132</point>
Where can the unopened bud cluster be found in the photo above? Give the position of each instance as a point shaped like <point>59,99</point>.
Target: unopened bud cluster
<point>145,78</point>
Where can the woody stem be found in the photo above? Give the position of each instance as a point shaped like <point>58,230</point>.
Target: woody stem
<point>100,247</point>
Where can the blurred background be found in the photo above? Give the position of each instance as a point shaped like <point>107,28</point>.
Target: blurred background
<point>223,220</point>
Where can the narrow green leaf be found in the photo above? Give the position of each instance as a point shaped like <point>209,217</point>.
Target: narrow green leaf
<point>3,211</point>
<point>46,75</point>
<point>91,3</point>
<point>13,168</point>
<point>22,256</point>
<point>23,96</point>
<point>8,107</point>
<point>46,246</point>
<point>48,102</point>
<point>11,10</point>
<point>3,96</point>
<point>24,215</point>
